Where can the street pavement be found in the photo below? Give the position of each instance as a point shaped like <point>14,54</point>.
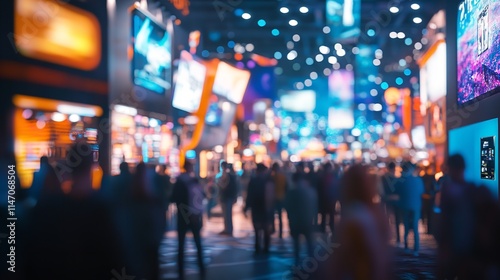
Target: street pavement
<point>233,257</point>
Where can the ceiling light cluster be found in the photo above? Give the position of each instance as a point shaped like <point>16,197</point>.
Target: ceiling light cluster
<point>325,52</point>
<point>397,35</point>
<point>324,49</point>
<point>286,10</point>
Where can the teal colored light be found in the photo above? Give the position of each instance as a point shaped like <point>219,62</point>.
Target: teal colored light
<point>370,32</point>
<point>275,32</point>
<point>309,61</point>
<point>261,23</point>
<point>399,81</point>
<point>191,154</point>
<point>238,12</point>
<point>407,72</point>
<point>230,44</point>
<point>278,55</point>
<point>408,41</point>
<point>384,85</point>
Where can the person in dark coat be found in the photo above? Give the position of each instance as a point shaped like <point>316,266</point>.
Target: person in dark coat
<point>145,220</point>
<point>162,189</point>
<point>363,233</point>
<point>121,184</point>
<point>301,205</point>
<point>45,181</point>
<point>428,197</point>
<point>328,195</point>
<point>410,188</point>
<point>469,228</point>
<point>260,200</point>
<point>74,236</point>
<point>390,198</point>
<point>188,196</point>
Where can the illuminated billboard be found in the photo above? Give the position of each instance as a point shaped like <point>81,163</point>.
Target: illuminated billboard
<point>341,91</point>
<point>344,19</point>
<point>189,83</point>
<point>151,61</point>
<point>478,49</point>
<point>433,74</point>
<point>57,32</point>
<point>299,101</point>
<point>231,82</point>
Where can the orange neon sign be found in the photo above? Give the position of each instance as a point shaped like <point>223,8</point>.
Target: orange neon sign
<point>57,32</point>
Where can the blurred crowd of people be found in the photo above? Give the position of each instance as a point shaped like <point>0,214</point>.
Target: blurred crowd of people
<point>86,233</point>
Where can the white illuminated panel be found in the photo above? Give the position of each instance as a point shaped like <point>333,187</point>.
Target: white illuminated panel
<point>231,82</point>
<point>418,137</point>
<point>433,76</point>
<point>189,84</point>
<point>299,101</point>
<point>340,118</point>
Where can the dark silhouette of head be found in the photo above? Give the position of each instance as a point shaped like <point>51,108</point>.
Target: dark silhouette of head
<point>124,168</point>
<point>80,157</point>
<point>44,160</point>
<point>408,167</point>
<point>139,185</point>
<point>456,167</point>
<point>44,164</point>
<point>300,167</point>
<point>188,166</point>
<point>261,168</point>
<point>391,167</point>
<point>275,167</point>
<point>359,185</point>
<point>223,165</point>
<point>327,166</point>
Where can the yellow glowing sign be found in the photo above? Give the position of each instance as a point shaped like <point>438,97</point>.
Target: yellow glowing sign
<point>57,32</point>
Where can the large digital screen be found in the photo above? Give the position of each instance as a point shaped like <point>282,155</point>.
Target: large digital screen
<point>418,137</point>
<point>344,19</point>
<point>214,112</point>
<point>151,61</point>
<point>58,32</point>
<point>231,82</point>
<point>262,85</point>
<point>478,47</point>
<point>341,91</point>
<point>488,158</point>
<point>189,83</point>
<point>468,141</point>
<point>299,101</point>
<point>433,74</point>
